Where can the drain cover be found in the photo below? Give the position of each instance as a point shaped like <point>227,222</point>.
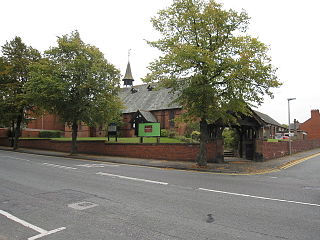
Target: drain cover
<point>82,205</point>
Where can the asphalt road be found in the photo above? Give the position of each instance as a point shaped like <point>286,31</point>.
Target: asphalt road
<point>45,197</point>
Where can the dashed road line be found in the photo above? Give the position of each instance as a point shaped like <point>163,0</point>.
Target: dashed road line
<point>131,178</point>
<point>259,197</point>
<point>23,159</point>
<point>41,231</point>
<point>58,166</point>
<point>94,165</point>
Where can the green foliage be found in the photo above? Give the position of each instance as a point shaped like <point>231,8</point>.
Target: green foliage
<point>77,83</point>
<point>164,133</point>
<point>231,139</point>
<point>171,134</point>
<point>195,135</point>
<point>210,62</point>
<point>191,126</point>
<point>15,60</point>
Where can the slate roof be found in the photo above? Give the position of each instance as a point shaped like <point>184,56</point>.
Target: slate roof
<point>267,119</point>
<point>148,116</point>
<point>128,74</point>
<point>146,100</point>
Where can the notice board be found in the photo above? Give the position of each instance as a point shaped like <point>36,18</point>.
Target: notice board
<point>149,130</point>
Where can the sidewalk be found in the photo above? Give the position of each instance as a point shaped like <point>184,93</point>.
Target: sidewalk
<point>231,165</point>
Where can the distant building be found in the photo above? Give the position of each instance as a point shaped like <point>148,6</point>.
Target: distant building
<point>312,125</point>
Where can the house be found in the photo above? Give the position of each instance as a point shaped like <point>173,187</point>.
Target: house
<point>312,125</point>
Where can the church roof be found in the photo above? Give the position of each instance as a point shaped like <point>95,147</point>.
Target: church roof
<point>148,116</point>
<point>128,75</point>
<point>144,98</point>
<point>141,98</point>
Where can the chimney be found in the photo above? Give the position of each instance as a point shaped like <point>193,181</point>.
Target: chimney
<point>315,113</point>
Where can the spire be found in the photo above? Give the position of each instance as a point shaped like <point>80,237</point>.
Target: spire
<point>128,75</point>
<point>128,79</point>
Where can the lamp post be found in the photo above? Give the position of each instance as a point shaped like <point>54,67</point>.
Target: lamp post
<point>289,99</point>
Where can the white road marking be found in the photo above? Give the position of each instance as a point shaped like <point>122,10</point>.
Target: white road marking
<point>17,158</point>
<point>131,178</point>
<point>29,225</point>
<point>258,197</point>
<point>58,166</point>
<point>46,233</point>
<point>94,165</point>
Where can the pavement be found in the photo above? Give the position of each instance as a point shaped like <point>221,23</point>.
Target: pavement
<point>232,166</point>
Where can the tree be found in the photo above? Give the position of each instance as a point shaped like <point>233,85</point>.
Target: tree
<point>14,68</point>
<point>210,62</point>
<point>75,82</point>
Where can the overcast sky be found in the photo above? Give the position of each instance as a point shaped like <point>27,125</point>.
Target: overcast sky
<point>289,27</point>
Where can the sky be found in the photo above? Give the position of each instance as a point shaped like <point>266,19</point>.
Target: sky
<point>289,27</point>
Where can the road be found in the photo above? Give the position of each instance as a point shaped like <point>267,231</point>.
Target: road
<point>44,197</point>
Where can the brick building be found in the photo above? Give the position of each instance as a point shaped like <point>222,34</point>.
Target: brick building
<point>312,125</point>
<point>142,105</point>
<point>47,122</point>
<point>145,104</point>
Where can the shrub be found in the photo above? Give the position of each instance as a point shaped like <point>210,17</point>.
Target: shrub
<point>195,135</point>
<point>186,140</point>
<point>193,126</point>
<point>171,134</point>
<point>164,133</point>
<point>50,134</point>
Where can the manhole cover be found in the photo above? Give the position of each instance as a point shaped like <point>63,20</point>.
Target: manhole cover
<point>82,205</point>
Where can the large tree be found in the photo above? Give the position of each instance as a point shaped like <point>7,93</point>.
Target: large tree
<point>75,82</point>
<point>15,60</point>
<point>210,62</point>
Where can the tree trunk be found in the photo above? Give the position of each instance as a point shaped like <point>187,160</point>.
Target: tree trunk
<point>202,155</point>
<point>74,149</point>
<point>17,131</point>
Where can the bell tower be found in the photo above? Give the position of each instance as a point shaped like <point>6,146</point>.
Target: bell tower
<point>128,79</point>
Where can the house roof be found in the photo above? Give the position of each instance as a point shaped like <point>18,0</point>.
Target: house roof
<point>141,98</point>
<point>267,119</point>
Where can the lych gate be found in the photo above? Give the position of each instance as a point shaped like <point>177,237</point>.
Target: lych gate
<point>249,129</point>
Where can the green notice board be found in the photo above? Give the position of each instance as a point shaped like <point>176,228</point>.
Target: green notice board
<point>149,130</point>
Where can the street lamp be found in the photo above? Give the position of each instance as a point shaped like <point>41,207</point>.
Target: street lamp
<point>289,99</point>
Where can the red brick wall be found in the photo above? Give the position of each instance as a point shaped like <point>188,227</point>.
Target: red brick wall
<point>270,150</point>
<point>47,122</point>
<point>312,125</point>
<point>4,141</point>
<point>30,133</point>
<point>180,152</point>
<point>4,132</point>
